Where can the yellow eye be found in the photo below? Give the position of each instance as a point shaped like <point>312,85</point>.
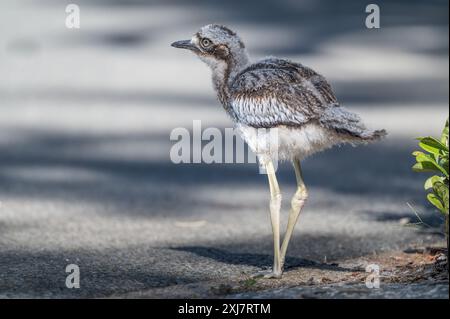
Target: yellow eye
<point>206,42</point>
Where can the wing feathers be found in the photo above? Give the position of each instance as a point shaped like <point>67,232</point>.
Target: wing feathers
<point>279,92</point>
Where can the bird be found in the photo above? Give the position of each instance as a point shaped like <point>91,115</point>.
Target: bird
<point>275,94</point>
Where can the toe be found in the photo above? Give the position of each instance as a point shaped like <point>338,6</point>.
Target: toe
<point>268,274</point>
<point>272,275</point>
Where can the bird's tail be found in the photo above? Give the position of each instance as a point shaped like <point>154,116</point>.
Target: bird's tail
<point>349,126</point>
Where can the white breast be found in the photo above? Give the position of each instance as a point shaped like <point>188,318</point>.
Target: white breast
<point>287,143</point>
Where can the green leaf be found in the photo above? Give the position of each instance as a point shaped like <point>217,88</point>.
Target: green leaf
<point>432,145</point>
<point>444,136</point>
<point>426,163</point>
<point>444,164</point>
<point>425,167</point>
<point>432,180</point>
<point>436,202</point>
<point>441,191</point>
<point>422,157</point>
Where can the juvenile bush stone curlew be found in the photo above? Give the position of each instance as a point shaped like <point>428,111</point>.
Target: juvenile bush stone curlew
<point>276,94</point>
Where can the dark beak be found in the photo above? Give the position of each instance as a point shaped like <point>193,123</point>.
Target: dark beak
<point>184,44</point>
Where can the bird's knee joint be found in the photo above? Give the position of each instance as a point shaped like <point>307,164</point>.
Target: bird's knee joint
<point>304,194</point>
<point>301,195</point>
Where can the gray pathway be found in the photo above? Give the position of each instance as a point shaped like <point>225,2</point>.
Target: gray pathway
<point>85,118</point>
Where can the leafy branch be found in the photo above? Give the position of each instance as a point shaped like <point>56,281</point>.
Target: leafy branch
<point>434,158</point>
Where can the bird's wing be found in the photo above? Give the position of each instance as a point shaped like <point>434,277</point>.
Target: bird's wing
<point>279,92</point>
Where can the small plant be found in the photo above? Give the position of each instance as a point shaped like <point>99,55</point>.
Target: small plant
<point>250,282</point>
<point>434,159</point>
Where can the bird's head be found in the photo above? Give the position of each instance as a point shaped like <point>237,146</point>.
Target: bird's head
<point>216,45</point>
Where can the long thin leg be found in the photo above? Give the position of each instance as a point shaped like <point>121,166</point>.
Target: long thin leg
<point>275,206</point>
<point>297,203</point>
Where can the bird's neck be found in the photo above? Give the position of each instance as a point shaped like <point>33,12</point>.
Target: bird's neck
<point>223,74</point>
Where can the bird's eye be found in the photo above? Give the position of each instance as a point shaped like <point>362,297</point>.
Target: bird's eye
<point>206,42</point>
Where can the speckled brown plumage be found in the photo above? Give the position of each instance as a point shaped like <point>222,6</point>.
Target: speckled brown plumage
<point>275,92</point>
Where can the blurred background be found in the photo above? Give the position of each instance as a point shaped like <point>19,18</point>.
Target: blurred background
<point>85,118</point>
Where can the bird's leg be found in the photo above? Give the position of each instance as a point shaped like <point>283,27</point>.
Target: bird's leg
<point>275,206</point>
<point>298,200</point>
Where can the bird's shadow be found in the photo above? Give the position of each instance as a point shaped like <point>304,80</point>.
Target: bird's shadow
<point>259,260</point>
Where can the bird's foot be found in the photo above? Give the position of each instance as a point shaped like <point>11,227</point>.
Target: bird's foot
<point>267,274</point>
